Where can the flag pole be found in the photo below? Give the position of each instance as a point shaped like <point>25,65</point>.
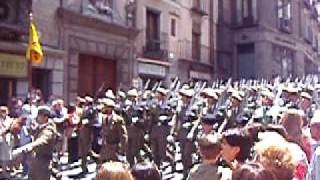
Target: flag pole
<point>30,67</point>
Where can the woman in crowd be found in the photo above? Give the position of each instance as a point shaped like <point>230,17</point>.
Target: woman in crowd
<point>114,171</point>
<point>236,147</point>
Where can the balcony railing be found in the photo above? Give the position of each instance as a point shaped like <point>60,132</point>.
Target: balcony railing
<point>157,49</point>
<point>184,50</point>
<point>201,6</point>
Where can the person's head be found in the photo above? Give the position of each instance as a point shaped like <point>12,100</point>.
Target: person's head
<point>207,123</point>
<point>58,104</point>
<point>145,171</point>
<point>315,127</point>
<point>210,147</point>
<point>254,129</point>
<point>4,111</point>
<point>278,129</point>
<point>305,100</point>
<point>236,145</point>
<point>292,123</point>
<point>109,106</point>
<point>43,114</point>
<point>252,171</point>
<point>113,171</point>
<point>276,156</point>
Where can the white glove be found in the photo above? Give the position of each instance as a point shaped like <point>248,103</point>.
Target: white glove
<point>122,158</point>
<point>186,125</point>
<point>170,138</point>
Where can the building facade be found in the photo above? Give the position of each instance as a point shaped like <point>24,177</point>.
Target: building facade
<point>174,40</point>
<point>268,38</point>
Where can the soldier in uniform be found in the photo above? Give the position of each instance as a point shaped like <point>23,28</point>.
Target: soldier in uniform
<point>160,126</point>
<point>211,101</point>
<point>133,116</point>
<point>234,110</point>
<point>114,135</point>
<point>182,127</point>
<point>42,146</point>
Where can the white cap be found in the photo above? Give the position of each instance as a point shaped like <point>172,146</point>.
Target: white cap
<point>108,102</point>
<point>133,93</point>
<point>110,95</point>
<point>186,92</point>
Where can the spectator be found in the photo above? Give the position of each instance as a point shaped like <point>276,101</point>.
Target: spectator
<point>314,170</point>
<point>276,156</point>
<point>145,171</point>
<point>210,150</point>
<point>114,171</point>
<point>252,171</point>
<point>236,146</point>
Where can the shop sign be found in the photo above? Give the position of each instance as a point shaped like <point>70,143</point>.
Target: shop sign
<point>13,66</point>
<point>200,75</point>
<point>152,69</point>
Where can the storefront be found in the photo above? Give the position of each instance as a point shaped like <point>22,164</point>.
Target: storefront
<point>153,72</point>
<point>12,68</point>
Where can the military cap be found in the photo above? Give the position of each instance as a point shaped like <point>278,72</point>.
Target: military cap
<point>57,101</point>
<point>306,95</point>
<point>209,119</point>
<point>211,93</point>
<point>237,96</point>
<point>88,99</point>
<point>122,94</point>
<point>108,102</point>
<point>186,92</point>
<point>292,89</point>
<point>267,93</point>
<point>162,91</point>
<point>109,94</point>
<point>133,93</point>
<point>44,110</point>
<point>81,100</point>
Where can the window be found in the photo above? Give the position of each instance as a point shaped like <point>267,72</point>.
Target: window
<point>173,27</point>
<point>196,41</point>
<point>284,57</point>
<point>246,12</point>
<point>152,30</point>
<point>284,15</point>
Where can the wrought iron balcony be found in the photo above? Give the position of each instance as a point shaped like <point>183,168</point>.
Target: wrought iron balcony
<point>157,49</point>
<point>186,51</point>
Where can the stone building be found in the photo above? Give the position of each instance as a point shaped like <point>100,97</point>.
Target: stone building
<point>267,38</point>
<point>174,40</point>
<point>87,44</point>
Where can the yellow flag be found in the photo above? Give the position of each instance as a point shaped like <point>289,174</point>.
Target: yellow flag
<point>34,52</point>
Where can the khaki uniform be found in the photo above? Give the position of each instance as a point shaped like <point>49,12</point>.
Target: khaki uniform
<point>204,172</point>
<point>42,149</point>
<point>114,138</point>
<point>159,133</point>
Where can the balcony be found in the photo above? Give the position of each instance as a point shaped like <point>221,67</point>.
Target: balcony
<point>157,49</point>
<point>14,18</point>
<point>201,7</point>
<point>185,51</point>
<point>99,15</point>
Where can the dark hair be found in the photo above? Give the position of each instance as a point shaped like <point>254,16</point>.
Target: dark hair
<point>145,171</point>
<point>241,139</point>
<point>253,130</point>
<point>252,171</point>
<point>278,129</point>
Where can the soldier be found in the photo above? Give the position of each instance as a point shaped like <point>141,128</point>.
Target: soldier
<point>263,113</point>
<point>42,146</point>
<point>135,125</point>
<point>114,135</point>
<point>211,101</point>
<point>160,126</point>
<point>305,104</point>
<point>182,127</point>
<point>234,110</point>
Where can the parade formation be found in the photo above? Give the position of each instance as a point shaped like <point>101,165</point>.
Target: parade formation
<point>176,127</point>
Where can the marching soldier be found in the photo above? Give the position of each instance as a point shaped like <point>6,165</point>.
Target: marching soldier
<point>234,111</point>
<point>135,125</point>
<point>114,135</point>
<point>182,128</point>
<point>161,115</point>
<point>42,146</point>
<point>211,101</point>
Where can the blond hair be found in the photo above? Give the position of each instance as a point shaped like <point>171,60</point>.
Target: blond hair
<point>114,171</point>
